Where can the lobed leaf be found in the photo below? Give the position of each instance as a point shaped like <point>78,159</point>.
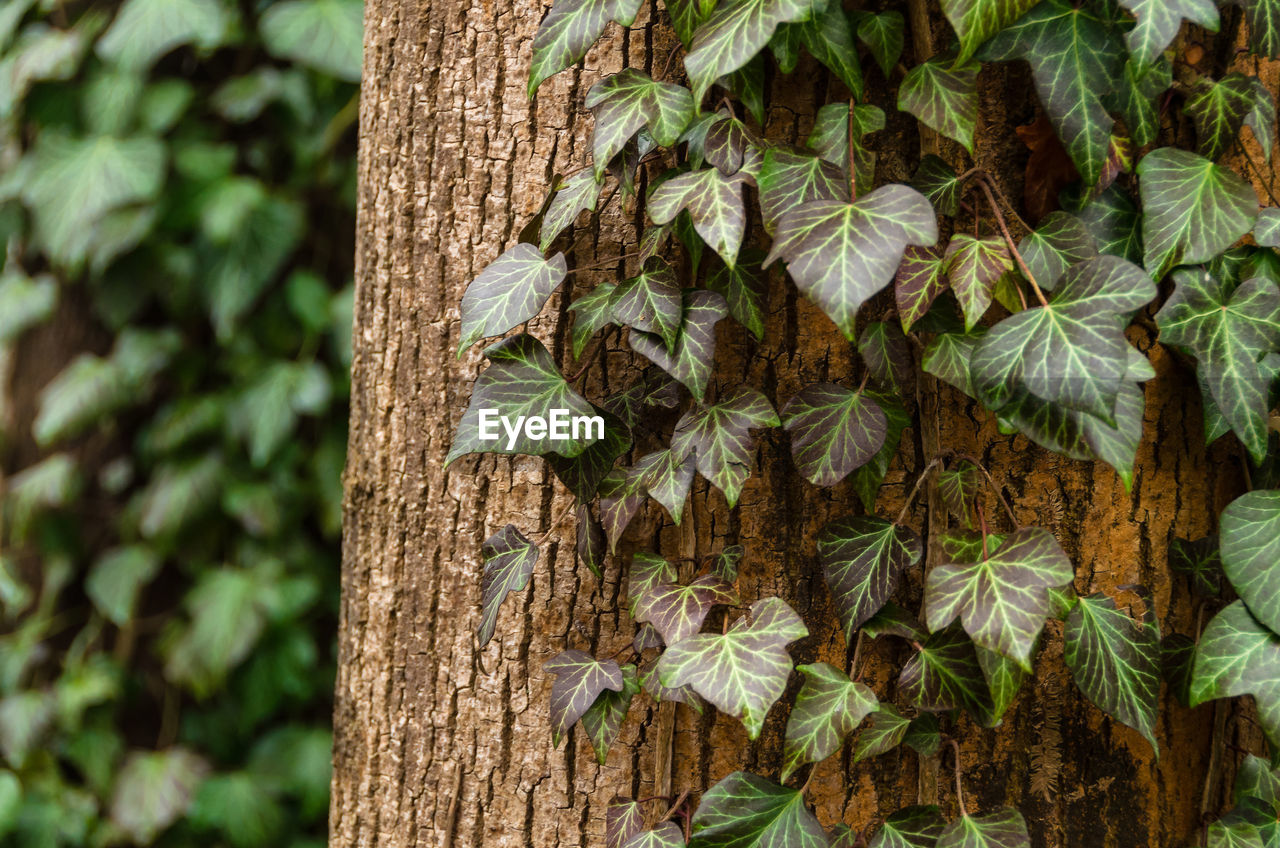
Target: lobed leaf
<point>580,680</point>
<point>1220,108</point>
<point>651,302</point>
<point>628,101</point>
<point>713,201</point>
<point>911,827</point>
<point>943,95</point>
<point>834,430</point>
<point>692,358</point>
<point>1239,656</point>
<point>920,279</point>
<point>508,562</point>
<point>509,291</point>
<point>827,710</point>
<point>1159,22</point>
<point>1250,533</point>
<point>676,611</point>
<point>734,33</point>
<point>973,267</point>
<point>1003,829</point>
<point>862,558</point>
<point>569,30</point>
<point>746,811</point>
<point>719,437</point>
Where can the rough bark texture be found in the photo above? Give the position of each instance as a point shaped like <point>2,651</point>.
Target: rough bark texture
<point>439,744</point>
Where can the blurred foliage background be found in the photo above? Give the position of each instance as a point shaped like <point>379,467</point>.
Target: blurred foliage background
<point>177,183</point>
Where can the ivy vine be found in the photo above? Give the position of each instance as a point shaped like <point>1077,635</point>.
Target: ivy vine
<point>1028,320</point>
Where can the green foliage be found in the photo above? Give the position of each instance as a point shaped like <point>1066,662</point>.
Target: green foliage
<point>1031,320</point>
<point>170,545</point>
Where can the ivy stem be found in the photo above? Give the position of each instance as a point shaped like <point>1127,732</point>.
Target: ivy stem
<point>1008,240</point>
<point>992,483</point>
<point>915,490</point>
<point>590,356</point>
<point>555,522</point>
<point>955,746</point>
<point>866,375</point>
<point>675,806</point>
<point>671,60</point>
<point>1005,200</point>
<point>805,787</point>
<point>603,263</point>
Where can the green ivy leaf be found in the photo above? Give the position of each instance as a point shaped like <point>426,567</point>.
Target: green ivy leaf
<point>580,680</point>
<point>975,21</point>
<point>667,479</point>
<point>973,266</point>
<point>691,361</point>
<point>747,811</point>
<point>789,179</point>
<point>862,558</point>
<point>1263,20</point>
<point>938,181</point>
<point>1267,230</point>
<point>521,381</point>
<point>154,790</point>
<point>827,36</point>
<point>943,95</point>
<point>1060,242</point>
<point>1200,562</point>
<point>1115,661</point>
<point>676,611</point>
<point>508,562</point>
<point>948,356</point>
<point>713,201</point>
<point>666,835</point>
<point>744,288</point>
<point>734,33</point>
<point>604,718</point>
<point>590,540</point>
<point>840,254</point>
<point>1177,662</point>
<point>1003,829</point>
<point>569,30</point>
<point>884,35</point>
<point>1114,222</point>
<point>1002,601</point>
<point>1159,22</point>
<point>628,101</point>
<point>743,671</point>
<point>958,486</point>
<point>911,827</point>
<point>830,139</point>
<point>592,313</point>
<point>886,731</point>
<point>320,34</point>
<point>945,675</point>
<point>117,578</point>
<point>1250,532</point>
<point>893,620</point>
<point>920,279</point>
<point>1137,98</point>
<point>1192,209</point>
<point>647,571</point>
<point>1220,108</point>
<point>1229,332</point>
<point>719,437</point>
<point>1255,778</point>
<point>509,291</point>
<point>1238,656</point>
<point>145,30</point>
<point>834,430</point>
<point>1072,352</point>
<point>579,193</point>
<point>887,354</point>
<point>1004,678</point>
<point>827,710</point>
<point>1075,58</point>
<point>651,302</point>
<point>621,494</point>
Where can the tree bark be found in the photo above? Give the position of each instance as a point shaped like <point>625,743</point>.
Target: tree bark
<point>441,744</point>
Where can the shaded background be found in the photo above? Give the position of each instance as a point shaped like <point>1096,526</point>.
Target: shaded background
<point>176,206</point>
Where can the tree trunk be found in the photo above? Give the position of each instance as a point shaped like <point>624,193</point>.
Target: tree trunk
<point>441,744</point>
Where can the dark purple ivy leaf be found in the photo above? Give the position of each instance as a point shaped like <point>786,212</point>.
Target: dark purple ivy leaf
<point>920,279</point>
<point>582,474</point>
<point>569,30</point>
<point>666,835</point>
<point>840,254</point>
<point>893,620</point>
<point>621,494</point>
<point>1002,829</point>
<point>652,684</point>
<point>924,735</point>
<point>911,827</point>
<point>973,267</point>
<point>574,195</point>
<point>630,100</point>
<point>667,480</point>
<point>691,360</point>
<point>650,302</point>
<point>942,93</point>
<point>938,181</point>
<point>862,557</point>
<point>958,487</point>
<point>833,430</point>
<point>886,731</point>
<point>646,637</point>
<point>713,201</point>
<point>828,708</point>
<point>867,479</point>
<point>591,313</point>
<point>622,819</point>
<point>676,611</point>
<point>508,561</point>
<point>731,147</point>
<point>655,389</point>
<point>647,570</point>
<point>725,564</point>
<point>744,288</point>
<point>945,675</point>
<point>508,292</point>
<point>590,540</point>
<point>604,718</point>
<point>790,178</point>
<point>749,811</point>
<point>1200,562</point>
<point>719,437</point>
<point>580,678</point>
<point>887,355</point>
<point>843,836</point>
<point>1058,243</point>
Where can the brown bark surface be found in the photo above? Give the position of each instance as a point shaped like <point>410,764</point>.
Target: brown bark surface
<point>440,744</point>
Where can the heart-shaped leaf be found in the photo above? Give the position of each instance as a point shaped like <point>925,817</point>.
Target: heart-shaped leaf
<point>1250,531</point>
<point>1192,209</point>
<point>577,194</point>
<point>629,100</point>
<point>977,20</point>
<point>734,33</point>
<point>1060,242</point>
<point>1075,57</point>
<point>522,381</point>
<point>1239,656</point>
<point>827,710</point>
<point>508,292</point>
<point>719,437</point>
<point>1159,22</point>
<point>973,266</point>
<point>938,181</point>
<point>582,474</point>
<point>1003,829</point>
<point>691,360</point>
<point>789,179</point>
<point>959,486</point>
<point>676,611</point>
<point>623,818</point>
<point>647,571</point>
<point>887,354</point>
<point>667,480</point>
<point>604,718</point>
<point>580,678</point>
<point>651,302</point>
<point>569,30</point>
<point>884,36</point>
<point>1229,332</point>
<point>508,561</point>
<point>591,313</point>
<point>713,201</point>
<point>920,279</point>
<point>1071,352</point>
<point>832,129</point>
<point>834,430</point>
<point>1116,661</point>
<point>943,95</point>
<point>1221,108</point>
<point>911,827</point>
<point>746,811</point>
<point>862,558</point>
<point>840,254</point>
<point>744,288</point>
<point>743,671</point>
<point>1002,600</point>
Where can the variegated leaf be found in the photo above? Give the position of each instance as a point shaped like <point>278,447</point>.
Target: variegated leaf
<point>1220,108</point>
<point>1061,241</point>
<point>975,21</point>
<point>508,292</point>
<point>667,480</point>
<point>734,33</point>
<point>713,201</point>
<point>569,30</point>
<point>623,818</point>
<point>827,710</point>
<point>1003,829</point>
<point>943,95</point>
<point>629,100</point>
<point>604,718</point>
<point>867,479</point>
<point>719,437</point>
<point>508,561</point>
<point>862,558</point>
<point>884,36</point>
<point>1237,656</point>
<point>887,354</point>
<point>920,279</point>
<point>577,194</point>
<point>959,486</point>
<point>938,181</point>
<point>676,611</point>
<point>1200,562</point>
<point>744,288</point>
<point>691,360</point>
<point>650,302</point>
<point>911,827</point>
<point>580,678</point>
<point>834,430</point>
<point>666,835</point>
<point>1250,531</point>
<point>591,313</point>
<point>582,474</point>
<point>973,267</point>
<point>789,179</point>
<point>946,675</point>
<point>746,811</point>
<point>621,494</point>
